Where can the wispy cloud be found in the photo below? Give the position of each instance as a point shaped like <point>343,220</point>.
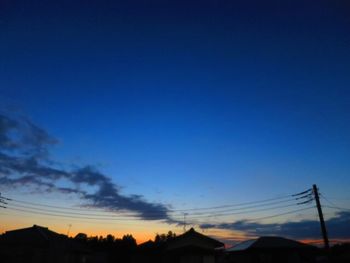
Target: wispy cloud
<point>25,161</point>
<point>338,227</point>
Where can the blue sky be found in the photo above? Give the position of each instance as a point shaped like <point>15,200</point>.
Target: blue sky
<point>187,104</point>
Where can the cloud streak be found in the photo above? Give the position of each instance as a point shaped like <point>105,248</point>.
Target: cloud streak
<point>24,161</point>
<point>338,227</point>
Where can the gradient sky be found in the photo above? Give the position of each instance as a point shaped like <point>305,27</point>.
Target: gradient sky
<point>185,103</point>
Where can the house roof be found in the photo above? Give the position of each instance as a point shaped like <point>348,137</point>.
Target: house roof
<point>146,245</point>
<point>268,242</point>
<point>192,238</point>
<point>32,235</point>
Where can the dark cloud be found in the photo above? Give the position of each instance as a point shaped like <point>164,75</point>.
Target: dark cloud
<point>6,125</point>
<point>37,139</point>
<point>108,196</point>
<point>20,136</point>
<point>24,150</point>
<point>338,227</point>
<point>29,166</point>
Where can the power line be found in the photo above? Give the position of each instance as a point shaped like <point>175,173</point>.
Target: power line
<point>279,214</point>
<point>109,219</point>
<point>333,205</point>
<point>235,205</point>
<point>2,202</point>
<point>308,191</point>
<point>244,212</point>
<point>53,206</point>
<point>154,214</point>
<point>134,217</point>
<point>32,206</point>
<point>79,217</point>
<point>282,214</point>
<point>135,224</point>
<point>337,208</point>
<point>339,199</point>
<point>71,213</point>
<point>261,202</point>
<point>242,208</point>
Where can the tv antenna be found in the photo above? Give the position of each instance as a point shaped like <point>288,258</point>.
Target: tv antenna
<point>184,228</point>
<point>69,227</point>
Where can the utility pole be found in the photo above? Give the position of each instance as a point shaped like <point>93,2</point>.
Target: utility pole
<point>320,214</point>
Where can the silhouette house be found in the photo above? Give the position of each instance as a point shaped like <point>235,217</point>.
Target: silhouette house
<point>192,247</point>
<point>39,244</point>
<point>270,250</point>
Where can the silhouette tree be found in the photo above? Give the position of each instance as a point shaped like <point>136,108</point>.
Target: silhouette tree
<point>129,240</point>
<point>81,237</point>
<point>170,235</point>
<point>162,238</point>
<point>110,238</point>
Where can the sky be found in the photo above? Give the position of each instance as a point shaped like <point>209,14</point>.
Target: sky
<point>151,109</point>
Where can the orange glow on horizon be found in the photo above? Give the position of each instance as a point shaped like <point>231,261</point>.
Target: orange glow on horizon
<point>142,231</point>
<point>319,242</point>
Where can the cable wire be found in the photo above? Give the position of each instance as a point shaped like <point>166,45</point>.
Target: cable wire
<point>239,208</point>
<point>245,212</point>
<point>169,210</point>
<point>136,217</point>
<point>79,217</point>
<point>333,205</point>
<point>282,214</point>
<point>56,209</point>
